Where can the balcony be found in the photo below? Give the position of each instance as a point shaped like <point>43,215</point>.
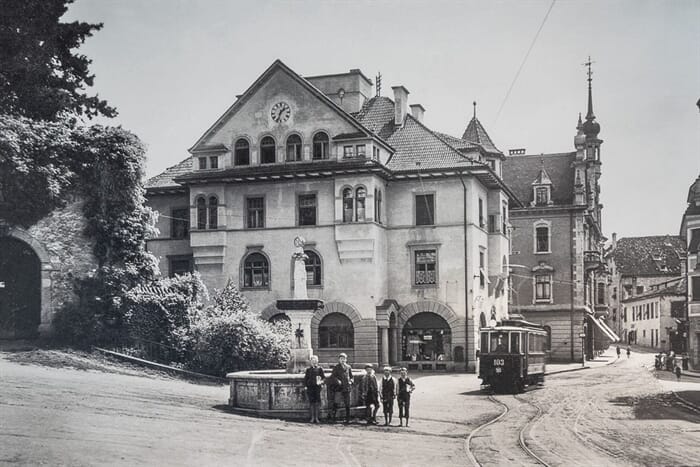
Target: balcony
<point>592,259</point>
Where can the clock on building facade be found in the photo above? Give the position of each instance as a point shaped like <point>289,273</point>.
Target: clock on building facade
<point>280,112</point>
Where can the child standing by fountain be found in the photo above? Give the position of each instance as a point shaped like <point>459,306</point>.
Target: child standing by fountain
<point>406,387</point>
<point>313,380</point>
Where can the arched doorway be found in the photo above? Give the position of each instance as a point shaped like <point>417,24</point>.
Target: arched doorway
<point>426,336</point>
<point>20,289</point>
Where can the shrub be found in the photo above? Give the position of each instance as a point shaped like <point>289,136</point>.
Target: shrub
<point>230,337</point>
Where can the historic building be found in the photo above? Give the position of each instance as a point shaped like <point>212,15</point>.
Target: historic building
<point>406,228</point>
<point>690,233</point>
<point>557,272</point>
<point>643,271</point>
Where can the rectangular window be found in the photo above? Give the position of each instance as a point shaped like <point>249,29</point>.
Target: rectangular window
<point>360,150</point>
<point>695,288</point>
<point>425,209</point>
<point>180,265</point>
<point>375,153</point>
<point>425,267</point>
<point>202,162</point>
<point>504,220</point>
<point>694,244</point>
<point>180,223</point>
<point>348,152</point>
<point>541,195</point>
<point>307,209</point>
<point>542,240</point>
<point>482,274</point>
<point>481,213</point>
<point>543,287</point>
<point>493,222</point>
<point>255,213</point>
<point>514,342</point>
<point>214,162</point>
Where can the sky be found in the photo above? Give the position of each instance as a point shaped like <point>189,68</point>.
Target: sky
<point>172,67</point>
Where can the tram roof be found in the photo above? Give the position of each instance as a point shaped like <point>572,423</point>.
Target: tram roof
<point>532,328</point>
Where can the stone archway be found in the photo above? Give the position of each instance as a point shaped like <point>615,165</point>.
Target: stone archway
<point>443,314</point>
<point>25,285</point>
<point>345,309</point>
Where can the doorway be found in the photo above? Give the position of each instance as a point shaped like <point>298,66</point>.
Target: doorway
<point>20,290</point>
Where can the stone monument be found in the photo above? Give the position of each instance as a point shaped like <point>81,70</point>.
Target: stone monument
<point>300,310</point>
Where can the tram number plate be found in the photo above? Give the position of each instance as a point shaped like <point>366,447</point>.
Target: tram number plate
<point>498,369</point>
<point>499,362</point>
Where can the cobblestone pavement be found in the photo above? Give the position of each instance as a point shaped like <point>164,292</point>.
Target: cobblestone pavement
<point>613,415</point>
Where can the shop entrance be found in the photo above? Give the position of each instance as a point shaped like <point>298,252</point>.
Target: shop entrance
<point>426,337</point>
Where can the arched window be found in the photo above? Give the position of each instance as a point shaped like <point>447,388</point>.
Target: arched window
<point>201,213</point>
<point>426,336</point>
<point>336,331</point>
<point>256,271</point>
<point>548,340</point>
<point>241,152</point>
<point>360,196</point>
<point>348,205</point>
<point>268,153</point>
<point>293,148</point>
<point>313,268</point>
<point>320,146</point>
<point>213,212</point>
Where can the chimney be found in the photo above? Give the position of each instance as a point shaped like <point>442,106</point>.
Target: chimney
<point>417,111</point>
<point>400,104</point>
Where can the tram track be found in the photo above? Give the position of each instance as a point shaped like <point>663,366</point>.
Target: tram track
<point>515,411</point>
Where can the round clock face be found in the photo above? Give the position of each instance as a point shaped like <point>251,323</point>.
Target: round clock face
<point>280,112</point>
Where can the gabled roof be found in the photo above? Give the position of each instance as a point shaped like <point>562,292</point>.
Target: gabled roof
<point>658,255</point>
<point>520,171</point>
<point>416,146</point>
<point>278,65</point>
<point>476,133</point>
<point>166,178</point>
<point>542,178</point>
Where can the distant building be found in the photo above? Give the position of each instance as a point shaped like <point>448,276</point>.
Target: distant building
<point>557,273</point>
<point>690,233</point>
<point>406,228</point>
<point>643,271</point>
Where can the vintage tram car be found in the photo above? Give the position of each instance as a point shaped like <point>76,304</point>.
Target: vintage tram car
<point>512,355</point>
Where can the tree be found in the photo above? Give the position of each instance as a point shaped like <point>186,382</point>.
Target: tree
<point>41,77</point>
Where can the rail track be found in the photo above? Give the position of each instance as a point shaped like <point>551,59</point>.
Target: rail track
<point>514,421</point>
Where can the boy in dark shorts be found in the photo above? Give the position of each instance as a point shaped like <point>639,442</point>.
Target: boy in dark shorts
<point>313,380</point>
<point>406,387</point>
<point>388,395</point>
<point>369,392</point>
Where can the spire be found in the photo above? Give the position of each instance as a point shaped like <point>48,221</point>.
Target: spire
<point>474,109</point>
<point>476,133</point>
<point>591,128</point>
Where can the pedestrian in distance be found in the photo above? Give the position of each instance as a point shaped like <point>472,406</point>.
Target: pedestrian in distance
<point>388,395</point>
<point>403,398</point>
<point>629,351</point>
<point>678,372</point>
<point>369,394</point>
<point>617,349</point>
<point>342,381</point>
<point>313,381</point>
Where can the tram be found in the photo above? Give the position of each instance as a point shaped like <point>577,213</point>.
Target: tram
<point>512,355</point>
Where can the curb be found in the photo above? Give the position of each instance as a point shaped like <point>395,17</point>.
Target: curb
<point>570,370</point>
<point>692,405</point>
<point>160,366</point>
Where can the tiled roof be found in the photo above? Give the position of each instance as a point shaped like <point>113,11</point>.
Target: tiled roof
<point>677,287</point>
<point>165,179</point>
<point>476,133</point>
<point>457,143</point>
<point>520,171</point>
<point>416,145</point>
<point>658,255</point>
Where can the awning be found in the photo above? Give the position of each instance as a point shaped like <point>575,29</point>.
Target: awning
<point>606,329</point>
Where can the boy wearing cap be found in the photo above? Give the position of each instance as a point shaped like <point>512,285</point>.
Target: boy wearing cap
<point>342,385</point>
<point>388,395</point>
<point>406,387</point>
<point>369,392</point>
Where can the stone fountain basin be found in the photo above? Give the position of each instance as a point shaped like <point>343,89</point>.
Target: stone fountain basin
<point>278,394</point>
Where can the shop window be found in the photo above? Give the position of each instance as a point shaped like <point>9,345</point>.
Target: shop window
<point>426,336</point>
<point>241,152</point>
<point>256,271</point>
<point>180,223</point>
<point>268,150</point>
<point>425,267</point>
<point>425,209</point>
<point>336,331</point>
<point>313,268</point>
<point>321,148</point>
<point>307,209</point>
<point>255,212</point>
<point>294,148</point>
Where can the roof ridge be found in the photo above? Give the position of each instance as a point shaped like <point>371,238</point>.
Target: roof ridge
<point>457,151</point>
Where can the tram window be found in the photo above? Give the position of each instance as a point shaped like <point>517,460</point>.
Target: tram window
<point>514,342</point>
<point>499,342</point>
<point>484,342</point>
<point>532,342</point>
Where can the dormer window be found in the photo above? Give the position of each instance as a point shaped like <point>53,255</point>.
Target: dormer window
<point>542,195</point>
<point>202,163</point>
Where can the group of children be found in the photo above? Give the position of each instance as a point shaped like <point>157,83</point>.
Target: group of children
<point>341,381</point>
